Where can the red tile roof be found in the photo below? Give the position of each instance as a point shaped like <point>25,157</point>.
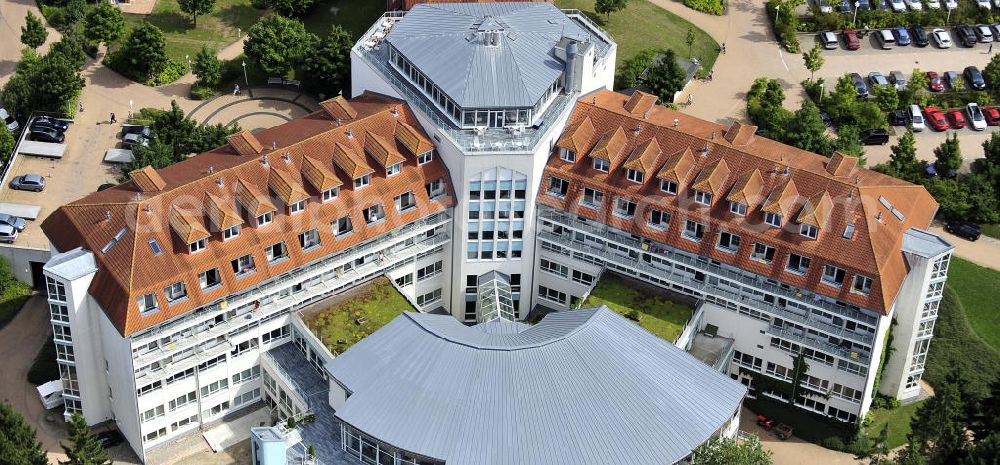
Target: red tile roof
<point>131,268</point>
<point>759,167</point>
<point>146,179</point>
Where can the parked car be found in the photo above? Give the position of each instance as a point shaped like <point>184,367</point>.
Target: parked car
<point>964,229</point>
<point>976,117</point>
<point>864,5</point>
<point>144,131</point>
<point>965,35</point>
<point>131,140</point>
<point>974,77</point>
<point>829,40</point>
<point>824,6</point>
<point>916,118</point>
<point>902,36</point>
<point>951,4</point>
<point>984,4</point>
<point>984,33</point>
<point>110,438</point>
<point>898,78</point>
<point>920,38</point>
<point>851,39</point>
<point>898,6</point>
<point>934,81</point>
<point>897,118</point>
<point>14,221</point>
<point>951,79</point>
<point>28,182</point>
<point>996,27</point>
<point>956,118</point>
<point>44,125</point>
<point>47,135</point>
<point>885,38</point>
<point>941,37</point>
<point>877,136</point>
<point>934,4</point>
<point>914,5</point>
<point>7,233</point>
<point>935,117</point>
<point>859,85</point>
<point>9,121</point>
<point>880,4</point>
<point>876,78</point>
<point>59,124</point>
<point>992,116</point>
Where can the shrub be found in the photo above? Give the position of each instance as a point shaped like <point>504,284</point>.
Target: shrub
<point>203,92</point>
<point>173,71</point>
<point>56,16</point>
<point>714,7</point>
<point>834,443</point>
<point>884,402</point>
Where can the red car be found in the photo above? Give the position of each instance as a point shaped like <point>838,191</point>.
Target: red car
<point>957,119</point>
<point>934,81</point>
<point>851,37</point>
<point>992,116</point>
<point>936,118</point>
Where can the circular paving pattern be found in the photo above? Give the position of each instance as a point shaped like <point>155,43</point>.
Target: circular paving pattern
<point>267,107</point>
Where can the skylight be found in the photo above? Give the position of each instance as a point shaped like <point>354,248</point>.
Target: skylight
<point>155,246</point>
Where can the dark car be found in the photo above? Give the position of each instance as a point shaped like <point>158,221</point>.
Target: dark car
<point>920,38</point>
<point>864,5</point>
<point>851,39</point>
<point>964,229</point>
<point>131,140</point>
<point>897,118</point>
<point>844,6</point>
<point>41,125</point>
<point>105,186</point>
<point>110,438</point>
<point>28,182</point>
<point>139,129</point>
<point>966,35</point>
<point>47,135</point>
<point>974,77</point>
<point>859,85</point>
<point>52,122</point>
<point>951,78</point>
<point>877,136</point>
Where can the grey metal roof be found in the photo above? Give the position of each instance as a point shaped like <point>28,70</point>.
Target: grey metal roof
<point>584,386</point>
<point>516,73</point>
<point>72,264</point>
<point>925,243</point>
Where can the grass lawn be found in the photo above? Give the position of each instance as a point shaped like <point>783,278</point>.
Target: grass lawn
<point>659,316</point>
<point>957,346</point>
<point>642,25</point>
<point>11,301</point>
<point>354,15</point>
<point>808,426</point>
<point>44,368</point>
<point>377,303</point>
<point>898,420</point>
<point>977,288</point>
<point>215,30</point>
<point>992,230</point>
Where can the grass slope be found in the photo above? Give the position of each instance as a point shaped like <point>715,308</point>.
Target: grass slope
<point>12,299</point>
<point>215,30</point>
<point>977,288</point>
<point>354,15</point>
<point>898,420</point>
<point>378,304</point>
<point>659,316</point>
<point>957,346</point>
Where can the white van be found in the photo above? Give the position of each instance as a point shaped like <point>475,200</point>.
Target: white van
<point>916,119</point>
<point>885,39</point>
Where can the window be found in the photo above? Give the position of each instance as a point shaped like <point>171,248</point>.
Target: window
<point>246,397</point>
<point>214,387</point>
<point>669,187</point>
<point>362,181</point>
<point>152,413</point>
<point>940,267</point>
<point>624,208</point>
<point>729,242</point>
<point>296,207</point>
<point>193,419</point>
<point>330,194</point>
<point>342,226</point>
<point>659,219</point>
<point>554,268</point>
<point>567,155</point>
<point>434,188</point>
<point>833,276</point>
<point>59,313</point>
<point>935,290</point>
<point>428,271</point>
<point>591,197</point>
<point>155,247</point>
<point>183,400</point>
<point>265,219</point>
<point>930,309</point>
<point>738,208</point>
<point>148,388</point>
<point>552,295</point>
<point>913,381</point>
<point>808,230</point>
<point>583,278</point>
<point>393,169</point>
<point>309,239</point>
<point>772,219</point>
<point>798,264</point>
<point>243,266</point>
<point>405,201</point>
<point>56,289</point>
<point>276,252</point>
<point>373,214</point>
<point>425,158</point>
<point>429,298</point>
<point>209,279</point>
<point>217,409</point>
<point>175,292</point>
<point>762,253</point>
<point>230,233</point>
<point>635,176</point>
<point>147,304</point>
<point>156,434</point>
<point>404,280</point>
<point>926,329</point>
<point>862,284</point>
<point>693,230</point>
<point>244,347</point>
<point>197,246</point>
<point>62,332</point>
<point>703,198</point>
<point>847,393</point>
<point>601,165</point>
<point>557,187</point>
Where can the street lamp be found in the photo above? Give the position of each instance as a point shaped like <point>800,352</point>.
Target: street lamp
<point>188,58</point>
<point>948,20</point>
<point>821,85</point>
<point>856,5</point>
<point>130,108</point>
<point>245,78</point>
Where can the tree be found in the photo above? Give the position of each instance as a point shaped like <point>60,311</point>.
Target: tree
<point>6,143</point>
<point>849,143</point>
<point>731,452</point>
<point>666,77</point>
<point>938,426</point>
<point>985,452</point>
<point>207,67</point>
<point>841,103</point>
<point>910,454</point>
<point>144,51</point>
<point>886,97</point>
<point>18,444</point>
<point>991,73</point>
<point>991,150</point>
<point>984,202</point>
<point>75,10</point>
<point>813,60</point>
<point>104,23</point>
<point>606,7</point>
<point>60,85</point>
<point>949,156</point>
<point>875,451</point>
<point>799,369</point>
<point>689,40</point>
<point>196,8</point>
<point>328,69</point>
<point>33,33</point>
<point>951,196</point>
<point>19,91</point>
<point>292,8</point>
<point>806,130</point>
<point>84,448</point>
<point>278,44</point>
<point>916,88</point>
<point>986,418</point>
<point>868,115</point>
<point>903,163</point>
<point>630,72</point>
<point>70,48</point>
<point>764,106</point>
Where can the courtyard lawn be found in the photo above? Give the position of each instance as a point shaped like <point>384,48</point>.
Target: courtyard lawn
<point>992,230</point>
<point>215,30</point>
<point>12,297</point>
<point>657,315</point>
<point>364,311</point>
<point>642,25</point>
<point>354,15</point>
<point>44,368</point>
<point>977,288</point>
<point>898,420</point>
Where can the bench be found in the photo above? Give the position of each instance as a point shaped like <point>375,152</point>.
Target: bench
<point>275,81</point>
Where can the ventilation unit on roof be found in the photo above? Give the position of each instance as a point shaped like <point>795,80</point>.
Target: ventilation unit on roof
<point>784,171</point>
<point>274,145</point>
<point>395,111</point>
<point>211,169</point>
<point>285,157</point>
<point>107,216</point>
<point>713,135</point>
<point>638,129</point>
<point>676,122</point>
<point>149,210</point>
<point>219,181</point>
<point>878,217</point>
<point>350,133</point>
<point>704,150</point>
<point>263,159</point>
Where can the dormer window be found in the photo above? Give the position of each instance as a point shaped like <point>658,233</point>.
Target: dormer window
<point>772,219</point>
<point>393,169</point>
<point>374,214</point>
<point>798,264</point>
<point>862,285</point>
<point>265,219</point>
<point>624,208</point>
<point>147,304</point>
<point>669,187</point>
<point>198,245</point>
<point>557,187</point>
<point>567,155</point>
<point>591,198</point>
<point>175,292</point>
<point>330,194</point>
<point>635,176</point>
<point>703,198</point>
<point>738,208</point>
<point>230,233</point>
<point>342,226</point>
<point>833,276</point>
<point>243,266</point>
<point>602,165</point>
<point>296,207</point>
<point>434,188</point>
<point>762,253</point>
<point>425,158</point>
<point>808,230</point>
<point>309,239</point>
<point>406,201</point>
<point>362,181</point>
<point>659,219</point>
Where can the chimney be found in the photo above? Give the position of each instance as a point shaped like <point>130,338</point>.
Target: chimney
<point>395,111</point>
<point>645,114</point>
<point>211,169</point>
<point>149,210</point>
<point>676,122</point>
<point>263,159</point>
<point>704,150</point>
<point>350,133</point>
<point>784,172</point>
<point>287,158</point>
<point>107,216</point>
<point>857,180</point>
<point>339,122</point>
<point>219,182</point>
<point>274,145</point>
<point>713,135</point>
<point>638,129</point>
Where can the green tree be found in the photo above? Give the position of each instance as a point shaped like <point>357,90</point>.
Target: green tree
<point>986,417</point>
<point>70,48</point>
<point>328,70</point>
<point>207,67</point>
<point>75,10</point>
<point>33,33</point>
<point>983,199</point>
<point>196,8</point>
<point>18,444</point>
<point>813,60</point>
<point>606,7</point>
<point>799,369</point>
<point>868,115</point>
<point>731,452</point>
<point>903,162</point>
<point>886,97</point>
<point>910,454</point>
<point>6,143</point>
<point>666,77</point>
<point>991,73</point>
<point>948,156</point>
<point>991,150</point>
<point>849,142</point>
<point>278,44</point>
<point>764,106</point>
<point>916,89</point>
<point>104,23</point>
<point>18,94</point>
<point>689,41</point>
<point>630,72</point>
<point>291,8</point>
<point>938,426</point>
<point>842,102</point>
<point>58,83</point>
<point>144,51</point>
<point>985,452</point>
<point>806,130</point>
<point>874,450</point>
<point>952,197</point>
<point>84,448</point>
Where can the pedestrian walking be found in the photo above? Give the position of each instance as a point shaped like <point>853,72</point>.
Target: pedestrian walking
<point>991,49</point>
<point>81,106</point>
<point>236,90</point>
<point>710,74</point>
<point>723,48</point>
<point>113,119</point>
<point>690,99</point>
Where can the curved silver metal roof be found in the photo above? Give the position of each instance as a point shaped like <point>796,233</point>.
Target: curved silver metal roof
<point>584,386</point>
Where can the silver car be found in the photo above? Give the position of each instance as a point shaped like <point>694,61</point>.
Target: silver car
<point>877,79</point>
<point>7,233</point>
<point>898,78</point>
<point>28,182</point>
<point>10,220</point>
<point>941,37</point>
